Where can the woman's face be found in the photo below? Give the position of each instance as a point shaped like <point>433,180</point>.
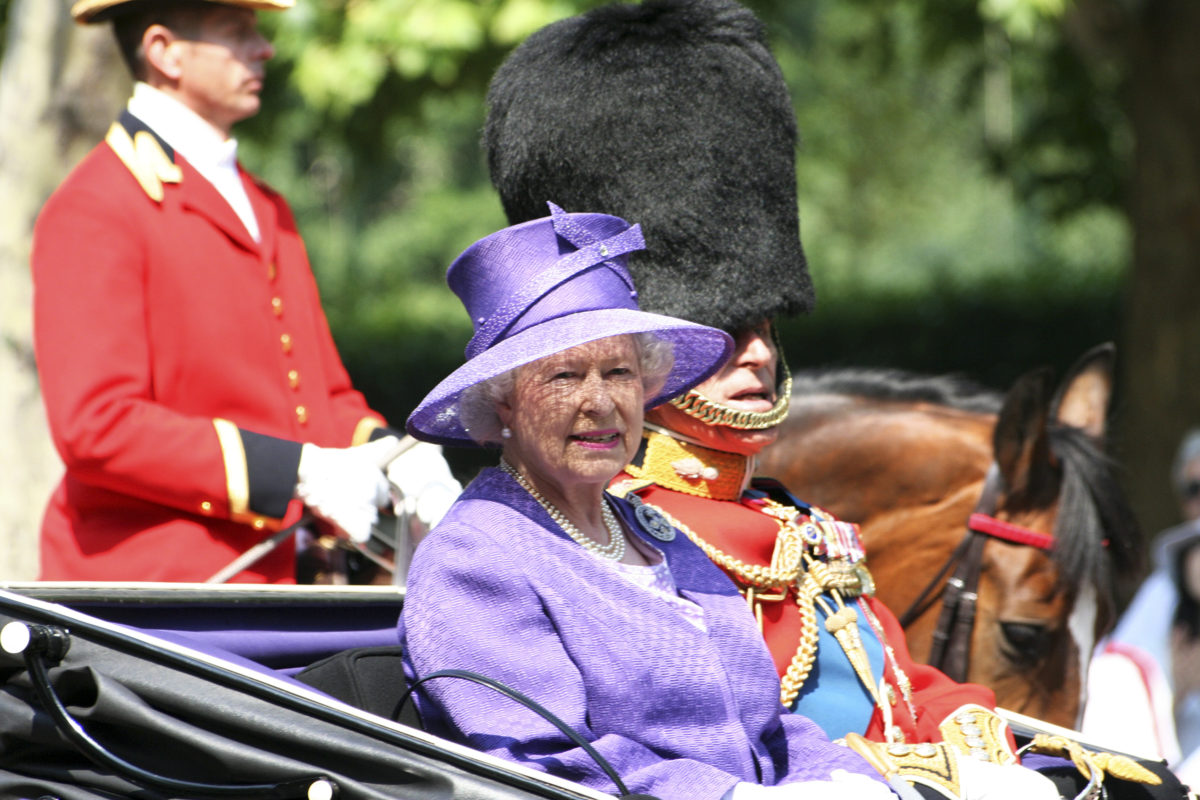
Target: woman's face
<point>576,416</point>
<point>745,383</point>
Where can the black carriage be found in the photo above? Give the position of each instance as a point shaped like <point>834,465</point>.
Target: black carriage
<point>196,691</point>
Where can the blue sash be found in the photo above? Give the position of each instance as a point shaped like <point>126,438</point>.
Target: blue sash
<point>842,703</point>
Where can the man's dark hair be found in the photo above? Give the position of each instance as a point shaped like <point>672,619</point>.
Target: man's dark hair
<point>183,17</point>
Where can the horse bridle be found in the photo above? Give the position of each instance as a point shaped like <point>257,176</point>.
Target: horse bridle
<point>951,647</point>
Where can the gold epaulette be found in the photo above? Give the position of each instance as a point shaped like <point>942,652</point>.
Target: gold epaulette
<point>145,158</point>
<point>929,764</point>
<point>978,732</point>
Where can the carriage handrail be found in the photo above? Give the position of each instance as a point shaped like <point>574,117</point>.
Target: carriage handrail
<point>535,707</point>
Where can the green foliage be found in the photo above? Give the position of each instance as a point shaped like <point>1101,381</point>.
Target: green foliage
<point>1055,123</point>
<point>1022,19</point>
<point>370,128</point>
<point>955,195</point>
<point>898,196</point>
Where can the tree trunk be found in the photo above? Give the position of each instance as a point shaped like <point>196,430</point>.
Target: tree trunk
<point>1161,375</point>
<point>60,86</point>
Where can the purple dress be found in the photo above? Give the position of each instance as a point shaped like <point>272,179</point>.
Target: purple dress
<point>679,712</point>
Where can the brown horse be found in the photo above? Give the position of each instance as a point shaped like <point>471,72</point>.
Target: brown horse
<point>912,459</point>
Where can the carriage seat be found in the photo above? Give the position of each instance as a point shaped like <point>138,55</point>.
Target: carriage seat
<point>369,678</point>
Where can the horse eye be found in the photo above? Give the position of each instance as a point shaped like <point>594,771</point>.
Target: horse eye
<point>1024,642</point>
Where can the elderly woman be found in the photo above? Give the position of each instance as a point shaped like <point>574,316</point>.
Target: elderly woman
<point>589,605</point>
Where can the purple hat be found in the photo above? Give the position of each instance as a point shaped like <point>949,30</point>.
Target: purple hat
<point>548,285</point>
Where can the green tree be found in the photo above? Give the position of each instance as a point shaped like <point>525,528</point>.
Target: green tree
<point>1087,110</point>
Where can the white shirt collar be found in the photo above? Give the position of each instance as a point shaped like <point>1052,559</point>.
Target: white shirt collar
<point>186,131</point>
<point>205,148</point>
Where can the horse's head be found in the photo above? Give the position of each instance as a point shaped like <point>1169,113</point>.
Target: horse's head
<point>908,458</point>
<point>1041,610</point>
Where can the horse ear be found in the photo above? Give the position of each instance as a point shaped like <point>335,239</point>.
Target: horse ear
<point>1020,442</point>
<point>1083,397</point>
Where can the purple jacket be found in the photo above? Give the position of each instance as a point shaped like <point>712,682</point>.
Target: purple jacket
<point>498,589</point>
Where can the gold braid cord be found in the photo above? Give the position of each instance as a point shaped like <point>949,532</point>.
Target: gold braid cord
<point>806,652</point>
<point>711,412</point>
<point>792,567</point>
<point>785,565</point>
<point>1089,761</point>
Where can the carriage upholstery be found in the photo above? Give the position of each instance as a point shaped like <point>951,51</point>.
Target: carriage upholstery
<point>370,678</point>
<point>343,642</point>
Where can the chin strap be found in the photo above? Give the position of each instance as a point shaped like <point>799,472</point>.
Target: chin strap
<point>711,412</point>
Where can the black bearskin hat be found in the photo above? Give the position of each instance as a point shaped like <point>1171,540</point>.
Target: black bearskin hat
<point>672,114</point>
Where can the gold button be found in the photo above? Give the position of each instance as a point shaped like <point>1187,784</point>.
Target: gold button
<point>272,271</point>
<point>285,341</point>
<point>294,378</point>
<point>259,523</point>
<point>301,414</point>
<point>277,306</point>
<point>206,507</point>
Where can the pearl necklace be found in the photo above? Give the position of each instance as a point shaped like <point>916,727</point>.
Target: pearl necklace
<point>614,550</point>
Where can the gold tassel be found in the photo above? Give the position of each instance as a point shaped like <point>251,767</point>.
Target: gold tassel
<point>1114,764</point>
<point>843,624</point>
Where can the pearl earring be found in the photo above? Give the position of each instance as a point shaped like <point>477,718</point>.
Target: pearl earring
<point>506,432</point>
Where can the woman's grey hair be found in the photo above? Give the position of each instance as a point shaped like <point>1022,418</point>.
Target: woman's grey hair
<point>1189,450</point>
<point>477,406</point>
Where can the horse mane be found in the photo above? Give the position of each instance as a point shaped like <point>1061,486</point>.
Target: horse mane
<point>1093,516</point>
<point>950,390</point>
<point>1093,513</point>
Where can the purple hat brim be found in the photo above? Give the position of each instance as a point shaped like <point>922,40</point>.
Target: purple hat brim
<point>699,352</point>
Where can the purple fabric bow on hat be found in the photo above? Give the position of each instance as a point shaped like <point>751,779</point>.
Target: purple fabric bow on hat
<point>548,285</point>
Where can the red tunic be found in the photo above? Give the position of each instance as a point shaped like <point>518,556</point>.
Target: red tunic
<point>181,365</point>
<point>748,535</point>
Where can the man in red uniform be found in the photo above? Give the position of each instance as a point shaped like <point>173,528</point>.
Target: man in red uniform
<point>674,114</point>
<point>191,383</point>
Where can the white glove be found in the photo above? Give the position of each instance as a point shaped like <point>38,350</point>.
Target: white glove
<point>345,487</point>
<point>842,785</point>
<point>423,479</point>
<point>985,780</point>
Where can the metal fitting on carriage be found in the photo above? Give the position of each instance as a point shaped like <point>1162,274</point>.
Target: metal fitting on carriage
<point>17,638</point>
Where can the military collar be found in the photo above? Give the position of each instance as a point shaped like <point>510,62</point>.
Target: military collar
<point>683,465</point>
